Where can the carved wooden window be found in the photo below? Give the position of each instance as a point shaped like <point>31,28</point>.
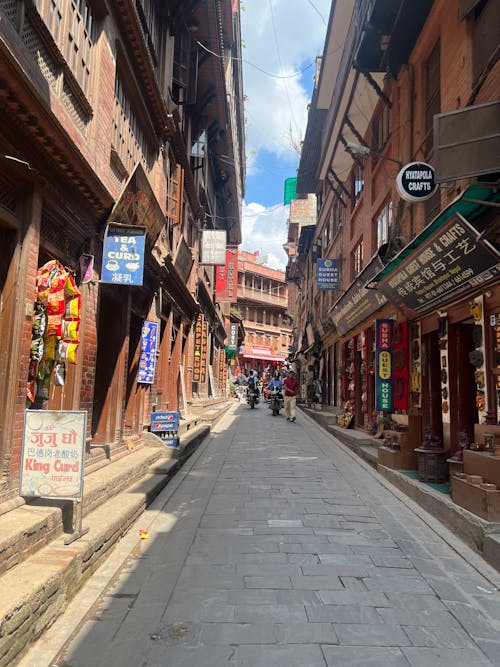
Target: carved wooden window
<point>150,22</point>
<point>129,140</point>
<point>71,24</point>
<point>175,195</point>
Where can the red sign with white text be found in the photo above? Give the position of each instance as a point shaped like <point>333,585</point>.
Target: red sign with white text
<point>226,277</point>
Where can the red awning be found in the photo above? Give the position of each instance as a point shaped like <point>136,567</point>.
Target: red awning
<point>263,357</point>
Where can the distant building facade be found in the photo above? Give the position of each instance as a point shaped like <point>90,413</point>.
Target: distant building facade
<point>263,305</point>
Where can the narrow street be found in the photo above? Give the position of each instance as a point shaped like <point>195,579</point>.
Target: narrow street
<point>274,545</point>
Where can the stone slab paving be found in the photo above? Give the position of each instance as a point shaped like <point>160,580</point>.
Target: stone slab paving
<point>280,548</point>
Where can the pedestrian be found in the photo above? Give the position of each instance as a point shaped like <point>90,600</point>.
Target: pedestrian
<point>317,394</point>
<point>241,383</point>
<point>290,385</point>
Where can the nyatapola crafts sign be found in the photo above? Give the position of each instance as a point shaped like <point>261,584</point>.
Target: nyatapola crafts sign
<point>415,182</point>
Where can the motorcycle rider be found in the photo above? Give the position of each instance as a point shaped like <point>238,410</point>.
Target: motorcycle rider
<point>241,383</point>
<point>276,381</point>
<point>275,386</point>
<point>253,383</point>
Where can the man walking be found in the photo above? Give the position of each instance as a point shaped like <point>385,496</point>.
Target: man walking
<point>290,386</point>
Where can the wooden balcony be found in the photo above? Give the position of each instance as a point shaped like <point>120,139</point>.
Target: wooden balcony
<point>261,296</point>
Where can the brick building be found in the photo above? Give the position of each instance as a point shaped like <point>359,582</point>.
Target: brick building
<point>412,83</point>
<point>262,303</point>
<point>116,123</point>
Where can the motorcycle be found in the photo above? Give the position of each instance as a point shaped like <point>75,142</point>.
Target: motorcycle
<point>252,398</point>
<point>276,401</point>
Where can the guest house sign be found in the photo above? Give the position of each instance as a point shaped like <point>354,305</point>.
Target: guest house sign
<point>450,262</point>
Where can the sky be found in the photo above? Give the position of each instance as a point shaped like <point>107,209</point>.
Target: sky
<point>281,41</point>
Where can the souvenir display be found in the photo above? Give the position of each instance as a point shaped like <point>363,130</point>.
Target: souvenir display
<point>56,321</point>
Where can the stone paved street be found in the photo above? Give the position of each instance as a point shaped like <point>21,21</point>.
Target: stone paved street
<point>279,547</point>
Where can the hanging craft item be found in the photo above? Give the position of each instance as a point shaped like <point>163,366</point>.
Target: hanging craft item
<point>56,321</point>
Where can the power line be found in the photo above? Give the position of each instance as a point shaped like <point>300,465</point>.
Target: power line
<point>317,11</point>
<point>273,76</point>
<point>281,67</point>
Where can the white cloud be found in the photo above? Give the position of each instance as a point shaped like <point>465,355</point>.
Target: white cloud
<point>276,108</point>
<point>265,230</point>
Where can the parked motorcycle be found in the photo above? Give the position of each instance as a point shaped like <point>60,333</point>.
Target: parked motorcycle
<point>252,398</point>
<point>275,400</point>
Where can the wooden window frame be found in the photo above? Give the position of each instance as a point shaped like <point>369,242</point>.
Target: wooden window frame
<point>384,223</point>
<point>71,24</point>
<point>357,259</point>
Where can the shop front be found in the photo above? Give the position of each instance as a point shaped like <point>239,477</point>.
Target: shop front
<point>353,316</point>
<point>261,358</point>
<point>446,282</point>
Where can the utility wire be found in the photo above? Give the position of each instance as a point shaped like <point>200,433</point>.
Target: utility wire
<point>282,69</point>
<point>317,11</point>
<point>273,76</point>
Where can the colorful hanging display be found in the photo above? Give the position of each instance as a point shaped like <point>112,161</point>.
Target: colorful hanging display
<point>56,321</point>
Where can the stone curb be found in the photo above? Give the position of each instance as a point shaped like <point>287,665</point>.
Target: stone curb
<point>37,590</point>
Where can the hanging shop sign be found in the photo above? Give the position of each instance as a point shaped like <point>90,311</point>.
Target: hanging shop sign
<point>416,182</point>
<point>383,365</point>
<point>226,277</point>
<point>200,350</point>
<point>400,369</point>
<point>213,247</point>
<point>357,303</point>
<point>147,357</point>
<point>233,336</point>
<point>327,274</point>
<point>451,262</point>
<point>53,453</point>
<point>123,254</point>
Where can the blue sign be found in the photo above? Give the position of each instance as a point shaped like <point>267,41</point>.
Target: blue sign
<point>164,421</point>
<point>327,274</point>
<point>123,255</point>
<point>170,442</point>
<point>147,358</point>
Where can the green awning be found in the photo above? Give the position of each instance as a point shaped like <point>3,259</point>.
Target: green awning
<point>471,204</point>
<point>290,190</point>
<point>454,256</point>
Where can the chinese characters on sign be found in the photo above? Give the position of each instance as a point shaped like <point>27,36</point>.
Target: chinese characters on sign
<point>53,453</point>
<point>357,303</point>
<point>200,350</point>
<point>383,366</point>
<point>123,255</point>
<point>451,261</point>
<point>147,358</point>
<point>328,274</point>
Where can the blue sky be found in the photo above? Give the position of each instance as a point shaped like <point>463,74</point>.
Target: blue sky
<point>281,38</point>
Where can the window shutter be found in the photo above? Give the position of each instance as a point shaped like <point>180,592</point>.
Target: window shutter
<point>175,195</point>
